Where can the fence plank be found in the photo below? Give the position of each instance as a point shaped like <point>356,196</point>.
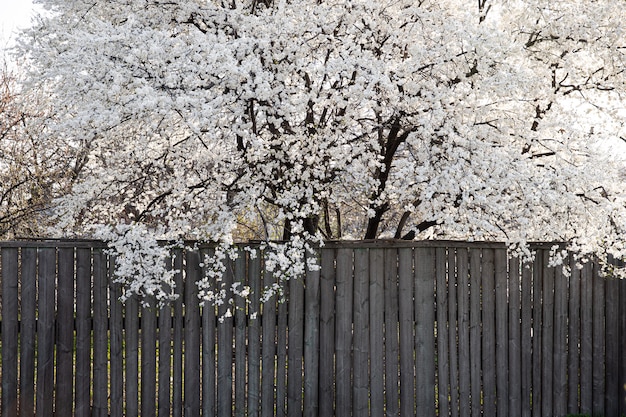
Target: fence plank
<point>424,330</point>
<point>573,337</point>
<point>225,348</point>
<point>547,337</point>
<point>117,353</point>
<point>443,341</point>
<point>45,331</point>
<point>612,390</point>
<point>377,306</point>
<point>343,335</point>
<point>526,343</point>
<point>560,343</point>
<point>295,345</point>
<point>148,359</point>
<point>537,334</point>
<point>489,332</point>
<point>502,336</point>
<point>9,331</point>
<point>192,334</point>
<point>622,341</point>
<point>100,336</point>
<point>131,339</point>
<point>598,320</point>
<point>311,342</point>
<point>406,326</point>
<point>65,333</point>
<point>360,353</point>
<point>28,281</point>
<point>515,340</point>
<point>240,336</point>
<point>177,335</point>
<point>475,333</point>
<point>209,401</point>
<point>463,297</point>
<point>453,333</point>
<point>586,339</point>
<point>254,335</point>
<point>391,332</point>
<point>327,333</point>
<point>281,354</point>
<point>268,368</point>
<point>165,352</point>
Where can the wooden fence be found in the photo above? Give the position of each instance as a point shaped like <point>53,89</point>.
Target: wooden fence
<point>383,329</point>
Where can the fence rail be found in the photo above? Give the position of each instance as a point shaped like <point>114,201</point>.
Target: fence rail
<point>427,329</point>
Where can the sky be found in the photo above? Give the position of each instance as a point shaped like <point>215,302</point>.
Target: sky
<point>13,14</point>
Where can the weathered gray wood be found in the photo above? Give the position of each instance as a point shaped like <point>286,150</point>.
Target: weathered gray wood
<point>148,359</point>
<point>547,337</point>
<point>406,319</point>
<point>489,332</point>
<point>526,343</point>
<point>515,341</point>
<point>573,338</point>
<point>537,362</point>
<point>165,353</point>
<point>599,335</point>
<point>343,335</point>
<point>502,335</point>
<point>622,341</point>
<point>240,336</point>
<point>453,333</point>
<point>463,296</point>
<point>192,334</point>
<point>64,396</point>
<point>391,332</point>
<point>268,368</point>
<point>424,330</point>
<point>281,354</point>
<point>225,348</point>
<point>131,347</point>
<point>177,335</point>
<point>9,331</point>
<point>360,353</point>
<point>612,349</point>
<point>559,396</point>
<point>46,272</point>
<point>475,336</point>
<point>327,333</point>
<point>209,400</point>
<point>100,335</point>
<point>254,335</point>
<point>586,339</point>
<point>377,306</point>
<point>116,334</point>
<point>83,377</point>
<point>295,345</point>
<point>311,342</point>
<point>443,341</point>
<point>28,281</point>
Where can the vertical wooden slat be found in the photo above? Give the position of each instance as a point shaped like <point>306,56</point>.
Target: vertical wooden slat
<point>327,332</point>
<point>148,358</point>
<point>311,341</point>
<point>612,390</point>
<point>586,339</point>
<point>131,348</point>
<point>391,332</point>
<point>100,336</point>
<point>209,401</point>
<point>547,336</point>
<point>295,346</point>
<point>268,368</point>
<point>475,332</point>
<point>537,363</point>
<point>424,330</point>
<point>502,336</point>
<point>463,296</point>
<point>453,333</point>
<point>526,341</point>
<point>573,338</point>
<point>254,334</point>
<point>407,337</point>
<point>45,331</point>
<point>9,331</point>
<point>83,333</point>
<point>281,354</point>
<point>622,341</point>
<point>165,352</point>
<point>192,334</point>
<point>443,358</point>
<point>361,341</point>
<point>598,321</point>
<point>515,341</point>
<point>560,343</point>
<point>240,336</point>
<point>65,337</point>
<point>343,334</point>
<point>377,306</point>
<point>489,332</point>
<point>225,348</point>
<point>117,353</point>
<point>177,335</point>
<point>28,283</point>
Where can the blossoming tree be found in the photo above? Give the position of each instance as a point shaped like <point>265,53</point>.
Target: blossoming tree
<point>308,120</point>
